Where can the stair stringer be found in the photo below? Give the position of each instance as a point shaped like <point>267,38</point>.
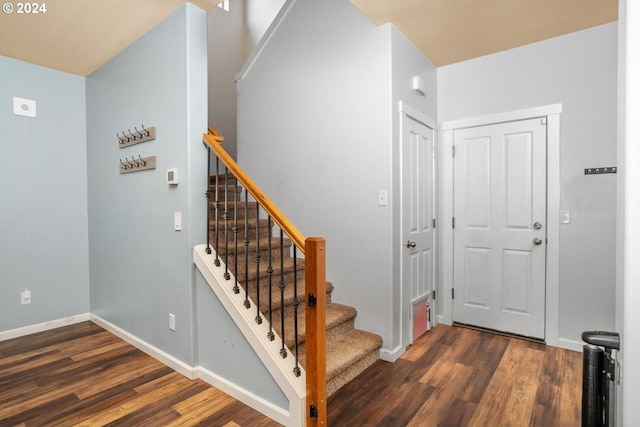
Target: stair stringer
<point>280,369</point>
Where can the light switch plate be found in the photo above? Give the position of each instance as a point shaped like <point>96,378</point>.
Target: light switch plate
<point>24,107</point>
<point>565,217</point>
<point>177,221</point>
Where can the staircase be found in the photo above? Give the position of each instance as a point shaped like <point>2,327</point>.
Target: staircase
<point>349,350</point>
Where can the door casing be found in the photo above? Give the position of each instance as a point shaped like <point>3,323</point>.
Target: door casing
<point>444,282</point>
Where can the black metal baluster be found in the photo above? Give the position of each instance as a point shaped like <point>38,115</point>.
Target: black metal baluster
<point>270,335</point>
<point>236,230</point>
<point>258,256</point>
<point>208,194</point>
<point>283,350</point>
<point>217,210</point>
<point>247,304</point>
<point>226,224</point>
<point>296,303</point>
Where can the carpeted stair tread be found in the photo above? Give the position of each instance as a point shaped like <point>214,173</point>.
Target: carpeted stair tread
<point>336,315</point>
<point>349,350</point>
<point>345,352</point>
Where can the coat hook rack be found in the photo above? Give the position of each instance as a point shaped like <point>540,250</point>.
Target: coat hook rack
<point>136,136</point>
<point>137,165</point>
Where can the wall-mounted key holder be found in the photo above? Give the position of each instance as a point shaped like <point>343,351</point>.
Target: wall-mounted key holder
<point>137,165</point>
<point>136,137</point>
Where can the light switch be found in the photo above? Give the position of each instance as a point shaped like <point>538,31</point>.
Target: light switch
<point>177,221</point>
<point>565,217</point>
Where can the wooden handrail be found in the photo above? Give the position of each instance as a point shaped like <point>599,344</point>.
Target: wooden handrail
<point>212,140</point>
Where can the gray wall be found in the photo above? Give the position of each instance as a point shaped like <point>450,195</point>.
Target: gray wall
<point>233,36</point>
<point>406,62</point>
<point>44,196</point>
<point>317,125</point>
<point>141,269</point>
<point>579,71</point>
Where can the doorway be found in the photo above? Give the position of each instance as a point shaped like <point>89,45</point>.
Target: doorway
<point>500,226</point>
<point>518,251</point>
<point>418,265</point>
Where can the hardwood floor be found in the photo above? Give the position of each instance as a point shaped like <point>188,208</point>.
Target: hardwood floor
<point>454,376</point>
<point>82,375</point>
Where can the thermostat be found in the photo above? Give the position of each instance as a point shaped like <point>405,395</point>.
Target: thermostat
<point>172,176</point>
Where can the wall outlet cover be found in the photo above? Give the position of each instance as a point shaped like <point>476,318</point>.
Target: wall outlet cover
<point>24,107</point>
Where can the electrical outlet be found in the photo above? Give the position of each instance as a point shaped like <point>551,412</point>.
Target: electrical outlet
<point>172,322</point>
<point>26,297</point>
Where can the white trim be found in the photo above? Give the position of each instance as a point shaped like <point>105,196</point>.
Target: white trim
<point>445,275</point>
<point>256,402</point>
<point>264,41</point>
<point>44,326</point>
<point>509,116</point>
<point>570,344</point>
<point>391,355</point>
<point>407,109</point>
<point>256,335</point>
<point>156,353</point>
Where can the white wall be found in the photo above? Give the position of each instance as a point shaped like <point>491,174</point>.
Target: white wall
<point>579,71</point>
<point>629,232</point>
<point>314,132</point>
<point>43,212</point>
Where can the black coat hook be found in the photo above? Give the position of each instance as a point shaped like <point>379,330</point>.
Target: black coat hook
<point>124,135</point>
<point>133,137</point>
<point>148,133</point>
<point>144,163</point>
<point>120,140</point>
<point>123,165</point>
<point>136,128</point>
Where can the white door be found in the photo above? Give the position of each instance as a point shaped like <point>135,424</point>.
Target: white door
<point>418,160</point>
<point>500,226</point>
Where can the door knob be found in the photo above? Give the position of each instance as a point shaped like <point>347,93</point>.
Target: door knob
<point>537,225</point>
<point>411,244</point>
<point>537,241</point>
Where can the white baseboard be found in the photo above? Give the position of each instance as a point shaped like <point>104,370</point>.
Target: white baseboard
<point>45,326</point>
<point>156,353</point>
<point>391,355</point>
<point>570,344</point>
<point>256,402</point>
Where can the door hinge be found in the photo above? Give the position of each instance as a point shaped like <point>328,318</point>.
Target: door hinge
<point>312,300</point>
<point>433,294</point>
<point>313,411</point>
<point>453,293</point>
<point>543,121</point>
<point>453,222</point>
<point>453,151</point>
<point>433,223</point>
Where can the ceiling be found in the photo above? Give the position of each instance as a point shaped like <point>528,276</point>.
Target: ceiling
<point>78,36</point>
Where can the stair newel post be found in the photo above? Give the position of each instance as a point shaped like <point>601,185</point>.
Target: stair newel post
<point>247,304</point>
<point>227,276</point>
<point>315,322</point>
<point>283,349</point>
<point>236,230</point>
<point>258,256</point>
<point>270,335</point>
<point>296,303</point>
<point>208,194</point>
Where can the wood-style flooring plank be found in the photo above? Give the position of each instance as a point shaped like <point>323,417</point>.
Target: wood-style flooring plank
<point>472,378</point>
<point>451,376</point>
<point>83,375</point>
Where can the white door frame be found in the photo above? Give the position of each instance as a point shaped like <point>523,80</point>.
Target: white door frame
<point>444,282</point>
<point>406,326</point>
